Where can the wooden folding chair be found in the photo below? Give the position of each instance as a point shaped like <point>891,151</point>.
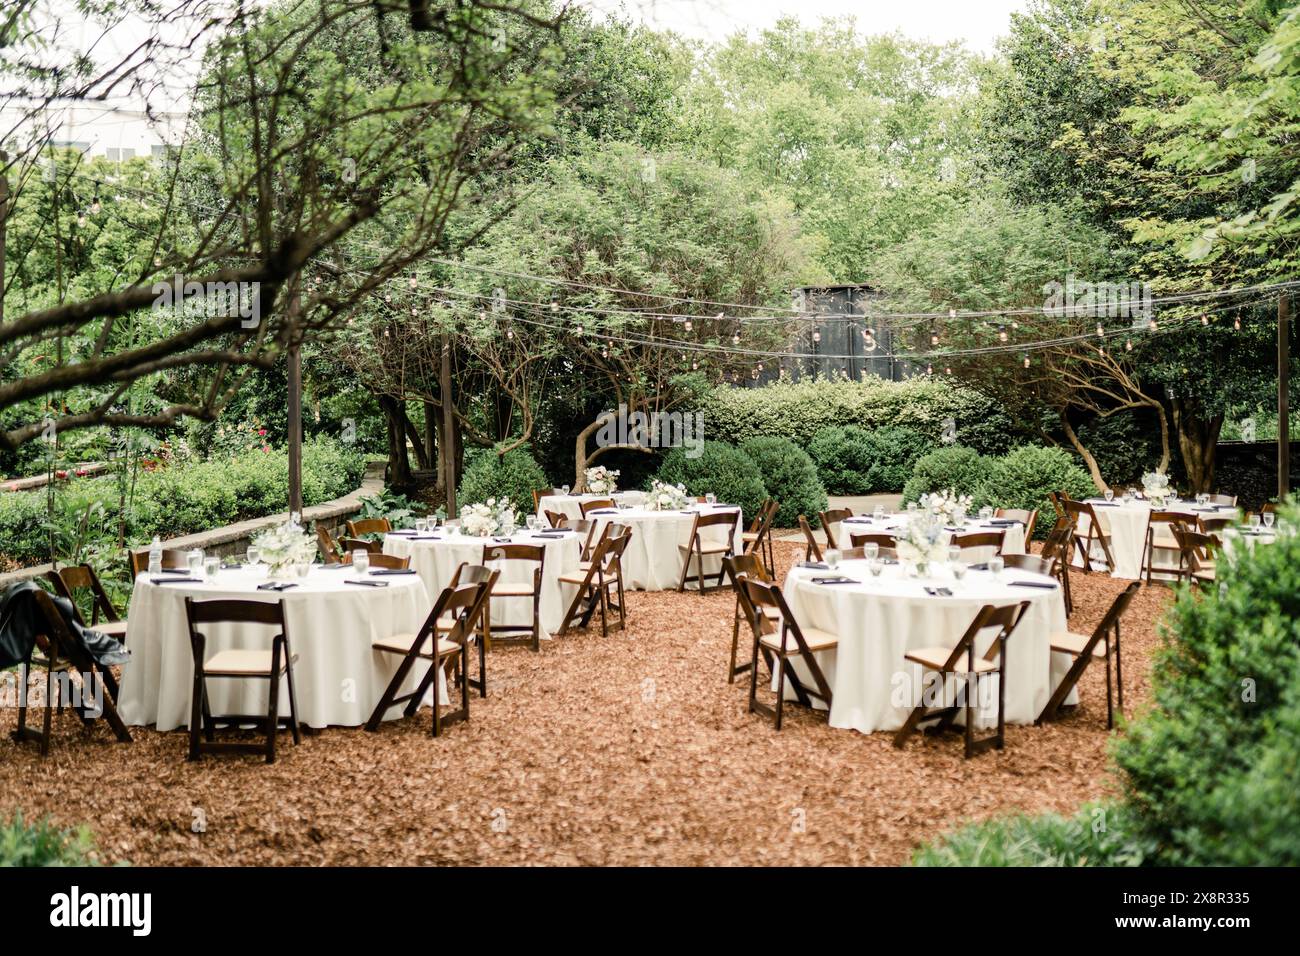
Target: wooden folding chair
<point>595,577</point>
<point>268,665</point>
<point>1083,648</point>
<point>1026,516</point>
<point>696,548</point>
<point>329,552</point>
<point>1058,499</point>
<point>596,504</point>
<point>1160,535</point>
<point>59,651</point>
<point>584,527</point>
<point>780,639</point>
<point>73,578</point>
<point>363,526</point>
<point>360,544</point>
<point>1058,546</point>
<point>828,518</point>
<point>462,606</point>
<point>1208,525</point>
<point>1095,534</point>
<point>812,551</point>
<point>1030,562</point>
<point>172,559</point>
<point>1221,499</point>
<point>978,541</point>
<point>556,519</point>
<point>961,661</point>
<point>535,554</point>
<point>378,559</point>
<point>750,566</point>
<point>758,538</point>
<point>860,539</point>
<point>467,573</point>
<point>1198,552</point>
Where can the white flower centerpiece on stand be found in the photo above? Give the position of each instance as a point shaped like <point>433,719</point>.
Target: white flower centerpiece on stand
<point>285,548</point>
<point>494,516</point>
<point>946,506</point>
<point>1155,486</point>
<point>666,497</point>
<point>601,480</point>
<point>922,542</point>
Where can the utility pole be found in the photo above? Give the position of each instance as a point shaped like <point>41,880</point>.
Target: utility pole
<point>295,407</point>
<point>447,448</point>
<point>1283,395</point>
<point>4,220</point>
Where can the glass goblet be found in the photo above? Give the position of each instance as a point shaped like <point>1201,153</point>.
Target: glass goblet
<point>871,550</point>
<point>875,566</point>
<point>833,558</point>
<point>360,560</point>
<point>253,554</point>
<point>1254,522</point>
<point>1109,494</point>
<point>1268,519</point>
<point>996,564</point>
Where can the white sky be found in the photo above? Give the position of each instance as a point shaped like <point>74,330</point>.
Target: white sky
<point>976,23</point>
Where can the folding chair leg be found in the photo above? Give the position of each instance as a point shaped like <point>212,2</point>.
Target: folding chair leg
<point>1119,672</point>
<point>1063,689</point>
<point>780,693</point>
<point>1110,703</point>
<point>273,704</point>
<point>196,714</point>
<point>293,707</point>
<point>49,703</point>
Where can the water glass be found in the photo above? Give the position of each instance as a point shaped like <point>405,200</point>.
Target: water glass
<point>195,561</point>
<point>253,554</point>
<point>564,490</point>
<point>421,525</point>
<point>958,570</point>
<point>911,507</point>
<point>875,566</point>
<point>871,551</point>
<point>832,558</point>
<point>361,560</point>
<point>954,555</point>
<point>1254,522</point>
<point>531,520</point>
<point>210,568</point>
<point>1109,494</point>
<point>879,513</point>
<point>1268,519</point>
<point>711,498</point>
<point>996,564</point>
<point>302,569</point>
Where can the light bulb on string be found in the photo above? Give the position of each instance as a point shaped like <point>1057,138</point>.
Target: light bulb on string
<point>1014,324</point>
<point>1026,360</point>
<point>695,366</point>
<point>1002,333</point>
<point>735,338</point>
<point>81,219</point>
<point>817,335</point>
<point>1128,345</point>
<point>578,328</point>
<point>1236,323</point>
<point>555,307</point>
<point>688,325</point>
<point>1151,325</point>
<point>1101,332</point>
<point>929,369</point>
<point>95,206</point>
<point>414,282</point>
<point>1205,319</point>
<point>934,335</point>
<point>510,332</point>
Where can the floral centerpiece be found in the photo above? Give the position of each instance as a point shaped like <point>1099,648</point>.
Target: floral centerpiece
<point>946,506</point>
<point>285,546</point>
<point>488,518</point>
<point>600,480</point>
<point>1155,486</point>
<point>922,541</point>
<point>666,497</point>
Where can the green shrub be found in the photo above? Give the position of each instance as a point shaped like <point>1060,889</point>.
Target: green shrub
<point>43,844</point>
<point>726,471</point>
<point>798,410</point>
<point>790,477</point>
<point>1211,770</point>
<point>514,475</point>
<point>957,468</point>
<point>1125,446</point>
<point>1023,479</point>
<point>1096,836</point>
<point>860,461</point>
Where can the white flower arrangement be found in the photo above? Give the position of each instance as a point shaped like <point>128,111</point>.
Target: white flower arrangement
<point>1155,486</point>
<point>487,518</point>
<point>945,505</point>
<point>666,497</point>
<point>286,545</point>
<point>922,540</point>
<point>601,480</point>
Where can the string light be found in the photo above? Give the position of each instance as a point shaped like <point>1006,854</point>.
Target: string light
<point>817,335</point>
<point>95,206</point>
<point>687,325</point>
<point>1128,345</point>
<point>934,335</point>
<point>415,283</point>
<point>1026,360</point>
<point>1101,332</point>
<point>1002,333</point>
<point>1236,323</point>
<point>1152,324</point>
<point>1205,319</point>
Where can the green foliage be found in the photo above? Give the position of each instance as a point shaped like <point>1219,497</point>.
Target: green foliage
<point>861,461</point>
<point>722,469</point>
<point>1024,477</point>
<point>790,476</point>
<point>399,510</point>
<point>957,468</point>
<point>798,410</point>
<point>1100,835</point>
<point>44,844</point>
<point>1125,446</point>
<point>1211,770</point>
<point>514,475</point>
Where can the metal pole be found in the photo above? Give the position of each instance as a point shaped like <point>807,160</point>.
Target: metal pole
<point>4,219</point>
<point>295,411</point>
<point>447,450</point>
<point>1283,395</point>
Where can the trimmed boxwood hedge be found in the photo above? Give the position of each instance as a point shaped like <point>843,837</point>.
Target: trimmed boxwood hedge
<point>861,461</point>
<point>720,468</point>
<point>791,478</point>
<point>515,475</point>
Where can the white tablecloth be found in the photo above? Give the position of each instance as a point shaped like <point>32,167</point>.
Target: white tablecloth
<point>1013,542</point>
<point>652,561</point>
<point>339,677</point>
<point>436,560</point>
<point>880,619</point>
<point>571,505</point>
<point>1127,525</point>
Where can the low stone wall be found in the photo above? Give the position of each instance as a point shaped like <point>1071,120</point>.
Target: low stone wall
<point>234,538</point>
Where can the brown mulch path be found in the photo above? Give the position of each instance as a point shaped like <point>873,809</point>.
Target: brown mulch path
<point>626,750</point>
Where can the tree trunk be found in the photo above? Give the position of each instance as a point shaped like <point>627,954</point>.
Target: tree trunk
<point>399,465</point>
<point>580,456</point>
<point>1093,471</point>
<point>1198,437</point>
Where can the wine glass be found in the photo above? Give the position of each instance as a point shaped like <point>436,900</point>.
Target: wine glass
<point>875,566</point>
<point>531,521</point>
<point>996,564</point>
<point>954,555</point>
<point>564,490</point>
<point>1268,519</point>
<point>879,513</point>
<point>253,554</point>
<point>711,499</point>
<point>871,550</point>
<point>832,558</point>
<point>1109,494</point>
<point>958,571</point>
<point>195,561</point>
<point>210,567</point>
<point>361,560</point>
<point>1254,522</point>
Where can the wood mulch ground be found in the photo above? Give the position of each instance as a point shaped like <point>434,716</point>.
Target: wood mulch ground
<point>626,750</point>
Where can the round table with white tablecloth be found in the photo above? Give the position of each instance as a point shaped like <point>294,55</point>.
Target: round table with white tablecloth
<point>435,556</point>
<point>1126,522</point>
<point>878,620</point>
<point>571,505</point>
<point>1013,541</point>
<point>338,676</point>
<point>653,560</point>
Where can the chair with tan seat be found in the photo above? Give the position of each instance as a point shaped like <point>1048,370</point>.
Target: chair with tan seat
<point>828,518</point>
<point>271,665</point>
<point>173,559</point>
<point>72,579</point>
<point>975,545</point>
<point>758,538</point>
<point>586,529</point>
<point>467,573</point>
<point>329,551</point>
<point>697,548</point>
<point>1160,537</point>
<point>360,544</point>
<point>461,606</point>
<point>556,519</point>
<point>1198,552</point>
<point>969,667</point>
<point>364,526</point>
<point>1095,534</point>
<point>1084,648</point>
<point>749,566</point>
<point>1026,516</point>
<point>1058,546</point>
<point>1032,563</point>
<point>781,641</point>
<point>812,550</point>
<point>860,539</point>
<point>595,577</point>
<point>530,591</point>
<point>596,504</point>
<point>381,561</point>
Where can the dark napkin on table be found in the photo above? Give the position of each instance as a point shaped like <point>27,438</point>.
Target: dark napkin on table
<point>815,565</point>
<point>604,511</point>
<point>276,586</point>
<point>425,537</point>
<point>176,580</point>
<point>1045,585</point>
<point>1105,504</point>
<point>938,592</point>
<point>393,571</point>
<point>836,580</point>
<point>982,566</point>
<point>403,532</point>
<point>1002,522</point>
<point>369,584</point>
